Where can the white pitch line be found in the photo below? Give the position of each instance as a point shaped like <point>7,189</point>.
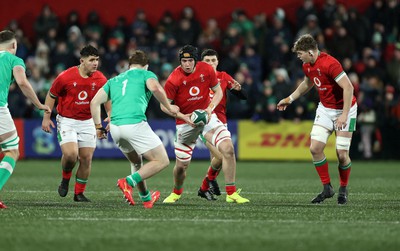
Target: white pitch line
<point>200,220</point>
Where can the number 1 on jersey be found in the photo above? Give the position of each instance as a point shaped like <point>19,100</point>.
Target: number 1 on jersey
<point>124,86</point>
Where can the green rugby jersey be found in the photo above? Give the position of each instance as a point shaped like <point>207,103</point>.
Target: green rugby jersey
<point>7,63</point>
<point>129,96</point>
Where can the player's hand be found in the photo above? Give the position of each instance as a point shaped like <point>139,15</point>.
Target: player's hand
<point>283,104</point>
<point>174,110</point>
<point>209,112</point>
<point>101,132</point>
<point>107,120</point>
<point>186,118</point>
<point>47,124</point>
<point>236,86</point>
<point>341,122</point>
<point>44,108</point>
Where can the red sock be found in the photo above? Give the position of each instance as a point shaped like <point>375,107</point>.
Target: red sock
<point>344,174</point>
<point>230,189</point>
<point>66,175</point>
<point>204,186</point>
<point>322,170</point>
<point>212,174</point>
<point>79,187</point>
<point>178,191</point>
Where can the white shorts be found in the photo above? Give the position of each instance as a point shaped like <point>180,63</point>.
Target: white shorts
<point>139,137</point>
<point>326,118</point>
<point>82,132</point>
<point>6,121</point>
<point>185,134</point>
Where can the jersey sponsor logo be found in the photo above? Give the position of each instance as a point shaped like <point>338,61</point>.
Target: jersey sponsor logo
<point>194,91</point>
<point>317,82</point>
<point>82,96</point>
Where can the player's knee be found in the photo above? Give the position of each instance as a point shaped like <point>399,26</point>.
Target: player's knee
<point>226,149</point>
<point>164,162</point>
<point>221,134</point>
<point>70,157</point>
<point>85,160</point>
<point>11,145</point>
<point>183,152</point>
<point>343,143</point>
<point>316,149</point>
<point>320,134</point>
<point>343,156</point>
<point>13,153</point>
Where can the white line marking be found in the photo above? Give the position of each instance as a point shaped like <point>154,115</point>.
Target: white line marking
<point>200,220</point>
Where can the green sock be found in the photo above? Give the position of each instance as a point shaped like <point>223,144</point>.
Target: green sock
<point>7,166</point>
<point>133,179</point>
<point>146,196</point>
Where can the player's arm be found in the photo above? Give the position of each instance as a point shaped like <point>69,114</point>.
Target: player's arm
<point>154,86</point>
<point>215,100</point>
<point>107,107</point>
<point>26,88</point>
<point>95,109</point>
<point>238,91</point>
<point>348,90</point>
<point>47,123</point>
<point>303,88</point>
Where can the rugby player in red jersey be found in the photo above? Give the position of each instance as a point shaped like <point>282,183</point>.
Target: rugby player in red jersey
<point>209,186</point>
<point>188,87</point>
<point>337,111</point>
<point>74,88</point>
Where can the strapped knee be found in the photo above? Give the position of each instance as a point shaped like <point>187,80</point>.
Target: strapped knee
<point>183,152</point>
<point>10,143</point>
<point>320,134</point>
<point>343,143</point>
<point>220,134</point>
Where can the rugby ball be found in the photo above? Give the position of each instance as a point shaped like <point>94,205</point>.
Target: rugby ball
<point>199,117</point>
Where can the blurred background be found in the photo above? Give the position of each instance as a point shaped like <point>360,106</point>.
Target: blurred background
<point>254,40</point>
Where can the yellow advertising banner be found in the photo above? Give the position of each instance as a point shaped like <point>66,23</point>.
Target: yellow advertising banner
<point>278,141</point>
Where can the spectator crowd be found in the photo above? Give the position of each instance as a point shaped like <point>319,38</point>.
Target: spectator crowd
<point>255,50</point>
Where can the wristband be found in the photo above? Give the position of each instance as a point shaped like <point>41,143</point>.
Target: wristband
<point>291,99</point>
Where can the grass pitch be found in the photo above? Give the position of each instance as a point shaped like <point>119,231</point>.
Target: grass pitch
<point>279,216</point>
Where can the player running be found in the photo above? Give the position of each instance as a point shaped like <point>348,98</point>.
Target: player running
<point>130,93</point>
<point>188,87</point>
<point>209,186</point>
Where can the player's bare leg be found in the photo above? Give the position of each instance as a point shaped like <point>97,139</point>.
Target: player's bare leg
<point>225,147</point>
<point>321,165</point>
<point>68,160</point>
<point>83,172</point>
<point>209,186</point>
<point>179,173</point>
<point>344,166</point>
<point>157,161</point>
